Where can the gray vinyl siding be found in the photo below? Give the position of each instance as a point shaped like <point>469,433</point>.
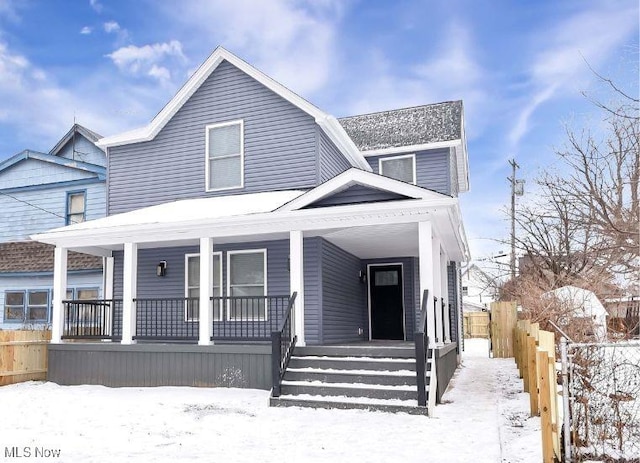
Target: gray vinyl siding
<point>452,282</point>
<point>343,296</point>
<point>411,291</point>
<point>356,194</point>
<point>280,149</point>
<point>312,291</point>
<point>332,161</point>
<point>35,172</point>
<point>83,150</point>
<point>432,169</point>
<point>138,365</point>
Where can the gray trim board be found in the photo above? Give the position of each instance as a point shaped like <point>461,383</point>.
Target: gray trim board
<point>446,365</point>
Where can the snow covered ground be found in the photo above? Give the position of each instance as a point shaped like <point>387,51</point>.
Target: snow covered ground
<point>484,419</point>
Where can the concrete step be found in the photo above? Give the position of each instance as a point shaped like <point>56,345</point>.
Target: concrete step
<point>370,391</point>
<point>399,378</point>
<point>343,404</point>
<point>358,351</point>
<point>352,363</point>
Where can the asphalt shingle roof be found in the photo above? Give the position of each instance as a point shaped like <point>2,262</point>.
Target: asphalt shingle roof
<point>405,127</point>
<point>31,256</point>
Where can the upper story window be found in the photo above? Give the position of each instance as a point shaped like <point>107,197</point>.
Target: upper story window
<point>225,156</point>
<point>401,168</point>
<point>76,207</point>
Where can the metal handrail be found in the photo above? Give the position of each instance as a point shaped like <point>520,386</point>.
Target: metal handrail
<point>421,341</point>
<point>283,341</point>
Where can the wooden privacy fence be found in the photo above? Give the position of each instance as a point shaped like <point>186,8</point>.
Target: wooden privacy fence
<point>23,356</point>
<point>503,321</point>
<point>535,354</point>
<point>476,325</point>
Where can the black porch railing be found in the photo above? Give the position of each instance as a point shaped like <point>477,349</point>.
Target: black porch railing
<point>435,317</point>
<point>247,318</point>
<point>167,319</point>
<point>91,319</point>
<point>283,341</point>
<point>422,346</point>
<point>444,320</point>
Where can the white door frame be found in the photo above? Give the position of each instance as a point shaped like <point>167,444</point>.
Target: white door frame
<point>404,315</point>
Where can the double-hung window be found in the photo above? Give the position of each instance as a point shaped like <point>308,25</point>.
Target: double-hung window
<point>401,168</point>
<point>76,207</point>
<point>14,310</point>
<point>247,284</point>
<point>38,306</point>
<point>192,286</point>
<point>225,156</point>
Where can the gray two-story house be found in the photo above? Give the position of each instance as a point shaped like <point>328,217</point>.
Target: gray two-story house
<point>254,240</point>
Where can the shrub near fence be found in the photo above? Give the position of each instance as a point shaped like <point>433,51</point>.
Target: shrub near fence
<point>23,356</point>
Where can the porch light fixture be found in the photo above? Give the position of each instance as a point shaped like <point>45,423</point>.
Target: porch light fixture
<point>362,276</point>
<point>161,268</point>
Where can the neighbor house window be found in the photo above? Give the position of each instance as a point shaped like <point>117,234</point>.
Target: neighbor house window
<point>14,310</point>
<point>26,306</point>
<point>465,290</point>
<point>401,168</point>
<point>87,315</point>
<point>225,156</point>
<point>247,282</point>
<point>76,207</point>
<point>192,286</point>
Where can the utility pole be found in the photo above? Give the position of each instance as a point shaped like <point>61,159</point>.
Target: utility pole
<point>517,189</point>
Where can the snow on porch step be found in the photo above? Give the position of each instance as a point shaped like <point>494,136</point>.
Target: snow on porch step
<point>345,403</point>
<point>393,378</point>
<point>359,390</point>
<point>352,363</point>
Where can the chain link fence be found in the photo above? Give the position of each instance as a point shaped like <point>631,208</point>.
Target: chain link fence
<point>603,401</point>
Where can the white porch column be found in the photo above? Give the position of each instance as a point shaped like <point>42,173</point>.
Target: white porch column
<point>59,293</point>
<point>129,290</point>
<point>437,287</point>
<point>296,280</point>
<point>425,259</point>
<point>444,281</point>
<point>107,277</point>
<point>206,290</point>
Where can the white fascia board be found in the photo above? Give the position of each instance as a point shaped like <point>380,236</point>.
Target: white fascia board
<point>220,54</point>
<point>359,177</point>
<point>462,161</point>
<point>343,142</point>
<point>412,148</point>
<point>405,211</point>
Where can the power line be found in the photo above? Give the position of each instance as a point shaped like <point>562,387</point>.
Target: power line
<point>32,205</point>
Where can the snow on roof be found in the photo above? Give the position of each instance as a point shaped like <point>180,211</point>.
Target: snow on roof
<point>419,125</point>
<point>581,299</point>
<point>194,209</point>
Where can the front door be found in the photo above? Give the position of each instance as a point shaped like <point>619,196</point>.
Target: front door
<point>386,301</point>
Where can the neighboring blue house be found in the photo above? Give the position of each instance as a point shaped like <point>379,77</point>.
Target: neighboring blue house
<point>40,191</point>
<point>253,240</point>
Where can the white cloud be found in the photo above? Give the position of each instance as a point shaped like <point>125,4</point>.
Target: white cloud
<point>559,67</point>
<point>96,5</point>
<point>86,30</point>
<point>111,26</point>
<point>294,42</point>
<point>146,60</point>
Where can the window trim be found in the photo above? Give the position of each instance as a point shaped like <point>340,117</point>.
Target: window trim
<point>207,129</point>
<point>392,158</point>
<point>27,306</point>
<point>266,306</point>
<point>24,306</point>
<point>67,212</point>
<point>186,285</point>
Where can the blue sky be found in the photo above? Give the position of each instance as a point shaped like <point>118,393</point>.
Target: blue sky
<point>519,66</point>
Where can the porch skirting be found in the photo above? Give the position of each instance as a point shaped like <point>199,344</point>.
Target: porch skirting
<point>136,365</point>
<point>446,365</point>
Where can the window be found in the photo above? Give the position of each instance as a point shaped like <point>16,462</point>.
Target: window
<point>465,290</point>
<point>225,156</point>
<point>76,202</point>
<point>192,286</point>
<point>247,276</point>
<point>386,278</point>
<point>87,314</point>
<point>401,168</point>
<point>14,306</point>
<point>26,306</point>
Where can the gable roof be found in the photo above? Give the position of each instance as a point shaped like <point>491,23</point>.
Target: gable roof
<point>90,135</point>
<point>32,256</point>
<point>327,123</point>
<point>353,177</point>
<point>100,171</point>
<point>431,126</point>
